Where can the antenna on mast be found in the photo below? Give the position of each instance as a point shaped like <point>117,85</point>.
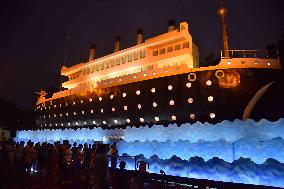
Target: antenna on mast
<point>222,12</point>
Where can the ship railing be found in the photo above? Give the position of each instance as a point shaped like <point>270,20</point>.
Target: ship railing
<point>263,54</point>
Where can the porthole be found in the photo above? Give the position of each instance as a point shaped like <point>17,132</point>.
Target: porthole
<point>155,104</point>
<point>170,87</point>
<point>192,77</point>
<point>212,115</point>
<point>139,106</point>
<point>137,92</point>
<point>190,100</point>
<point>174,118</point>
<point>111,96</point>
<point>209,82</point>
<point>188,85</point>
<point>125,108</point>
<point>157,119</point>
<point>123,95</point>
<point>100,98</point>
<point>141,120</point>
<point>128,120</point>
<point>113,109</point>
<point>210,98</point>
<point>102,111</point>
<point>153,90</point>
<point>192,116</point>
<point>172,102</point>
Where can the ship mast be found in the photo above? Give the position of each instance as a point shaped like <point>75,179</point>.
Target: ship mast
<point>222,12</point>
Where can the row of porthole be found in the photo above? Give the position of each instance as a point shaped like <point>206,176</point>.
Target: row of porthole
<point>156,119</point>
<point>153,90</point>
<point>139,106</point>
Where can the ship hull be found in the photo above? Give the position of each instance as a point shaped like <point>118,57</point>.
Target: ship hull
<point>204,96</point>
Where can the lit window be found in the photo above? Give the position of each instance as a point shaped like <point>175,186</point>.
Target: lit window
<point>177,47</point>
<point>61,124</point>
<point>85,122</point>
<point>123,59</point>
<point>94,122</point>
<point>104,122</point>
<point>74,113</point>
<point>69,124</point>
<point>157,119</point>
<point>212,115</point>
<point>48,116</point>
<point>100,98</point>
<point>142,54</point>
<point>54,115</point>
<point>155,104</point>
<point>111,96</point>
<point>67,114</point>
<point>125,107</point>
<point>123,94</point>
<point>66,104</point>
<point>188,85</point>
<point>115,121</point>
<point>210,98</point>
<point>190,100</point>
<point>92,111</point>
<point>50,125</point>
<point>113,109</point>
<point>90,100</point>
<point>77,123</point>
<point>174,118</point>
<point>192,116</point>
<point>170,87</point>
<point>44,124</point>
<point>81,101</point>
<point>141,120</point>
<point>83,112</point>
<point>55,106</point>
<point>208,82</point>
<point>162,51</point>
<point>172,102</point>
<point>44,116</point>
<point>135,55</point>
<point>129,57</point>
<point>155,53</point>
<point>117,61</point>
<point>48,107</point>
<point>102,111</point>
<point>56,124</point>
<point>185,45</point>
<point>153,90</point>
<point>170,49</point>
<point>137,92</point>
<point>139,106</point>
<point>60,105</point>
<point>128,120</point>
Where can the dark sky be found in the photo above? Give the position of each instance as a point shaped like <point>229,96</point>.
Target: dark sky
<point>33,33</point>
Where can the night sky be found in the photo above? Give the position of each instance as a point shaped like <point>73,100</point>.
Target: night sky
<point>34,33</point>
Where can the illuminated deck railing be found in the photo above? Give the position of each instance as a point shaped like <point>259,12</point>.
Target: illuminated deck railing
<point>263,54</point>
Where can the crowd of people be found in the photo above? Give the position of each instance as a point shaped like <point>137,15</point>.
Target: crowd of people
<point>58,162</point>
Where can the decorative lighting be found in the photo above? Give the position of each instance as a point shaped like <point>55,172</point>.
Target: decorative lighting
<point>190,100</point>
<point>102,111</point>
<point>153,90</point>
<point>90,100</point>
<point>212,115</point>
<point>155,104</point>
<point>115,121</point>
<point>172,102</point>
<point>100,98</point>
<point>81,101</point>
<point>128,120</point>
<point>157,119</point>
<point>125,107</point>
<point>210,98</point>
<point>111,96</point>
<point>123,95</point>
<point>141,120</point>
<point>104,122</point>
<point>174,118</point>
<point>139,106</point>
<point>209,82</point>
<point>83,112</point>
<point>188,85</point>
<point>113,109</point>
<point>192,116</point>
<point>170,87</point>
<point>137,92</point>
<point>92,111</point>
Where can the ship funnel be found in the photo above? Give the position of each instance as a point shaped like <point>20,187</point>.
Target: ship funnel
<point>139,36</point>
<point>171,25</point>
<point>92,52</point>
<point>117,44</point>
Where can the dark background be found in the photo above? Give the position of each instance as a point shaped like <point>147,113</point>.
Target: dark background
<point>35,34</point>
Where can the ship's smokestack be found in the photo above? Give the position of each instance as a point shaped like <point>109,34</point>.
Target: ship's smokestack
<point>139,36</point>
<point>117,44</point>
<point>222,12</point>
<point>92,52</point>
<point>171,25</point>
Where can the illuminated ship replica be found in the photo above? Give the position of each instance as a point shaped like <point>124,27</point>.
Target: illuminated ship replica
<point>159,80</point>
